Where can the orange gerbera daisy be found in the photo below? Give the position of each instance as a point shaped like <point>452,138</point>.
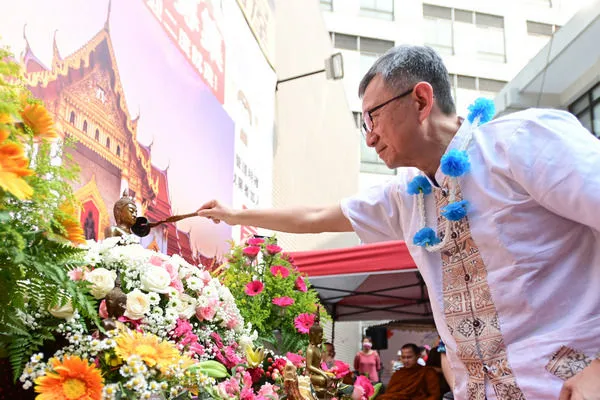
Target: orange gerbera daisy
<point>69,221</point>
<point>13,167</point>
<point>152,350</point>
<point>72,378</point>
<point>39,120</point>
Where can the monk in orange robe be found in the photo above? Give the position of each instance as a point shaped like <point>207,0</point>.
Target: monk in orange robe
<point>412,381</point>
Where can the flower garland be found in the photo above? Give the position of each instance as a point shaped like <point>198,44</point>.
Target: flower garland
<point>453,164</point>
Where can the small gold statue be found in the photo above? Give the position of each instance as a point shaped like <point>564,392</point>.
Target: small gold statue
<point>125,212</point>
<point>323,382</point>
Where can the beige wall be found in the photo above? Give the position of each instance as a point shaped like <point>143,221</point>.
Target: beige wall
<point>316,149</point>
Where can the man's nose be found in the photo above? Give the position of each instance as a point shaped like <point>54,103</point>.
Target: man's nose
<point>372,139</point>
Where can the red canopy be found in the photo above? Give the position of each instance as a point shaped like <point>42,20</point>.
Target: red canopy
<point>368,282</point>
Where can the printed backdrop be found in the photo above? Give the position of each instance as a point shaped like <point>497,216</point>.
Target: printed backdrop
<point>171,102</point>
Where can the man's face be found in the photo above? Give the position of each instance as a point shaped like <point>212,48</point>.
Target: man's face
<point>395,134</point>
<point>409,358</point>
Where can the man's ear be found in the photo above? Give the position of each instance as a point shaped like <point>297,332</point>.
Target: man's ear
<point>423,94</point>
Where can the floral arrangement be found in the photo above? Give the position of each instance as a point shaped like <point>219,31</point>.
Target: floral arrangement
<point>271,293</point>
<point>38,223</point>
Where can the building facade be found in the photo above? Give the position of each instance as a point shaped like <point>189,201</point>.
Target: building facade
<point>483,43</point>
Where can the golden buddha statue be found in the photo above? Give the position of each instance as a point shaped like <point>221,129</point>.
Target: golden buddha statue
<point>125,212</point>
<point>323,382</point>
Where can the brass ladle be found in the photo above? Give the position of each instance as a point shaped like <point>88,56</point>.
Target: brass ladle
<point>142,226</point>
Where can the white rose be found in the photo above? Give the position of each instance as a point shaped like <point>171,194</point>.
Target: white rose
<point>138,304</point>
<point>64,312</point>
<point>103,281</point>
<point>155,279</point>
<point>187,306</point>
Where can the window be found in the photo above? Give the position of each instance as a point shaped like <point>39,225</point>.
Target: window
<point>382,9</point>
<point>108,143</point>
<point>538,34</point>
<point>118,151</point>
<point>463,32</point>
<point>327,5</point>
<point>72,118</point>
<point>466,89</point>
<point>370,49</point>
<point>84,126</point>
<point>587,110</point>
<point>97,135</point>
<point>358,120</point>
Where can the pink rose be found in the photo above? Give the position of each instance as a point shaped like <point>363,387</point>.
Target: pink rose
<point>300,284</point>
<point>281,270</point>
<point>251,251</point>
<point>254,288</point>
<point>273,249</point>
<point>283,301</point>
<point>102,311</point>
<point>76,274</point>
<point>156,260</point>
<point>295,359</point>
<point>364,383</point>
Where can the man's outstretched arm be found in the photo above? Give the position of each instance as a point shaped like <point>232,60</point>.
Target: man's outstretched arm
<point>290,219</point>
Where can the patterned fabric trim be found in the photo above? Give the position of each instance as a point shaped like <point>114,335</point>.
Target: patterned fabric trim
<point>567,362</point>
<point>471,315</point>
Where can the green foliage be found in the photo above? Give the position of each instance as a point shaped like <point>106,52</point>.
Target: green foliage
<point>36,254</point>
<point>275,323</point>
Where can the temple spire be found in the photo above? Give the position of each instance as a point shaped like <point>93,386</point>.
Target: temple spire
<point>55,53</point>
<point>106,23</point>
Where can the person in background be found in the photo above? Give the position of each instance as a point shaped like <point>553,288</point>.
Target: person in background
<point>413,381</point>
<point>367,361</point>
<point>329,354</point>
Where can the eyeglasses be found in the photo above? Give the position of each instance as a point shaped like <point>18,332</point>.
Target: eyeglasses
<point>368,118</point>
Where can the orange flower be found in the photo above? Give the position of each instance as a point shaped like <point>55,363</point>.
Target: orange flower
<point>39,120</point>
<point>13,167</point>
<point>148,347</point>
<point>72,378</point>
<point>68,219</point>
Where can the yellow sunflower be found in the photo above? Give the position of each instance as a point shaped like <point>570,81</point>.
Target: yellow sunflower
<point>152,350</point>
<point>39,120</point>
<point>13,167</point>
<point>72,378</point>
<point>68,219</point>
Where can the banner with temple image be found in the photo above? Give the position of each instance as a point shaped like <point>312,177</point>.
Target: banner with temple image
<point>143,87</point>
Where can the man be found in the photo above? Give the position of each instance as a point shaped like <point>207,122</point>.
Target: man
<point>413,381</point>
<point>514,274</point>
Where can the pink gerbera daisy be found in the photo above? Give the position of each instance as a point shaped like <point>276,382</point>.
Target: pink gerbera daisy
<point>303,322</point>
<point>281,270</point>
<point>254,288</point>
<point>251,251</point>
<point>273,249</point>
<point>300,284</point>
<point>283,301</point>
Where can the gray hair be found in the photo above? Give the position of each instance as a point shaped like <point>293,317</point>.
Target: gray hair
<point>404,66</point>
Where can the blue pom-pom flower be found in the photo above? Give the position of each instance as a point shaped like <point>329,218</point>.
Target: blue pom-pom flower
<point>482,108</point>
<point>425,237</point>
<point>455,163</point>
<point>419,184</point>
<point>455,211</point>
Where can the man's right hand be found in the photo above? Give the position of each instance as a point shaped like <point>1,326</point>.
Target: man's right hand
<point>216,212</point>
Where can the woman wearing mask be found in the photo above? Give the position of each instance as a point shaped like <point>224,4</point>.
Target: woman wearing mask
<point>367,361</point>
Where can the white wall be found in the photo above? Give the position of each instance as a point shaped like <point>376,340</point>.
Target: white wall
<point>316,150</point>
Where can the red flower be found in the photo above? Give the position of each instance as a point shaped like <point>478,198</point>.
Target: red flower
<point>303,322</point>
<point>300,284</point>
<point>283,301</point>
<point>255,241</point>
<point>281,270</point>
<point>273,249</point>
<point>254,288</point>
<point>251,251</point>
